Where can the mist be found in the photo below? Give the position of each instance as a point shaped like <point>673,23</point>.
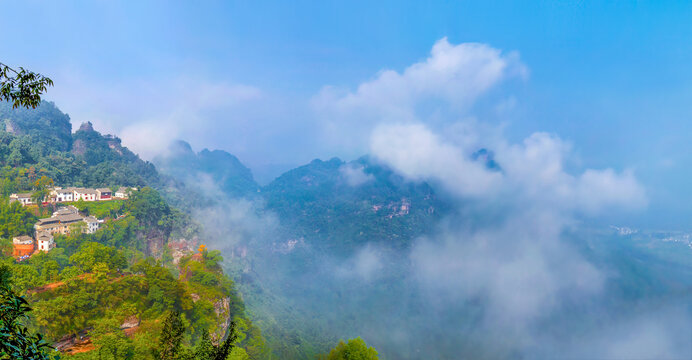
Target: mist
<point>503,181</point>
<point>507,277</point>
<point>513,271</point>
<point>519,266</point>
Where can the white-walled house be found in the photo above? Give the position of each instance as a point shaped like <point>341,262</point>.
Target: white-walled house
<point>92,224</point>
<point>62,195</point>
<point>23,198</point>
<point>71,194</point>
<point>122,193</point>
<point>65,220</point>
<point>45,241</point>
<point>85,194</point>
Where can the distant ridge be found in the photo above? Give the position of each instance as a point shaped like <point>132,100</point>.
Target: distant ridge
<point>226,171</point>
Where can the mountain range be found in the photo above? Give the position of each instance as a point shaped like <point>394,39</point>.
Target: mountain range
<point>322,252</point>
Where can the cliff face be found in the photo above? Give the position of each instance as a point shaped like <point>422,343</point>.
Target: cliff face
<point>12,128</point>
<point>222,308</point>
<point>210,289</point>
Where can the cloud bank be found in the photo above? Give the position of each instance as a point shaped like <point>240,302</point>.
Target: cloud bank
<point>451,78</point>
<point>502,252</point>
<point>505,246</point>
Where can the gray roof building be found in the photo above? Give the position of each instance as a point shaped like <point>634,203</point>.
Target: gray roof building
<point>22,240</point>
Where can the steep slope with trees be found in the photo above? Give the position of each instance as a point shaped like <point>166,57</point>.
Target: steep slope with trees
<point>106,294</point>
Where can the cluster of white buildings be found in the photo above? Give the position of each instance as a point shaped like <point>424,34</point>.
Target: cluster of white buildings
<point>60,195</point>
<point>24,246</point>
<point>63,221</point>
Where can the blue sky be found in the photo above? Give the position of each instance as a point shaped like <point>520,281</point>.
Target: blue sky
<point>612,79</point>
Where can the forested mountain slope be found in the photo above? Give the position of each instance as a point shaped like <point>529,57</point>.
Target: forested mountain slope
<point>326,212</point>
<point>338,264</point>
<point>106,295</point>
<point>343,204</point>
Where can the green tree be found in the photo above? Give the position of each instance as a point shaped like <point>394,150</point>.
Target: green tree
<point>355,349</point>
<point>41,190</point>
<point>23,87</point>
<point>92,255</point>
<point>171,338</point>
<point>112,343</point>
<point>170,343</point>
<point>225,349</point>
<point>14,219</point>
<point>205,348</point>
<point>16,342</point>
<point>148,206</point>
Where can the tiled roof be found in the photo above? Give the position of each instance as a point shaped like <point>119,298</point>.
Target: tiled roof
<point>47,221</point>
<point>46,236</point>
<point>68,218</point>
<point>23,239</point>
<point>86,191</point>
<point>67,210</point>
<point>49,226</point>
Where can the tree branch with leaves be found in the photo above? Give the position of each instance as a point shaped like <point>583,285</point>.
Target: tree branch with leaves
<point>22,87</point>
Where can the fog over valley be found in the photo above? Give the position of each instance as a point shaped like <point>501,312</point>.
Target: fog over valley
<point>333,181</point>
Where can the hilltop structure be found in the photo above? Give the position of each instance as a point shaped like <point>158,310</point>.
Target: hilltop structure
<point>63,195</point>
<point>85,194</point>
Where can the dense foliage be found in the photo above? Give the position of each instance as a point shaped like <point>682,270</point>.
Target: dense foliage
<point>16,341</point>
<point>338,204</point>
<point>169,347</point>
<point>355,349</point>
<point>92,284</point>
<point>42,140</point>
<point>14,219</point>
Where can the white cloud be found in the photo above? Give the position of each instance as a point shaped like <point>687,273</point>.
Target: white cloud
<point>354,175</point>
<point>532,172</point>
<point>185,111</point>
<point>416,152</point>
<point>456,75</point>
<point>509,249</point>
<point>364,265</point>
<point>148,113</point>
<point>535,171</point>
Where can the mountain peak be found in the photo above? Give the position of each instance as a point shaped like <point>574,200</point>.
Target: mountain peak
<point>179,147</point>
<point>86,126</point>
